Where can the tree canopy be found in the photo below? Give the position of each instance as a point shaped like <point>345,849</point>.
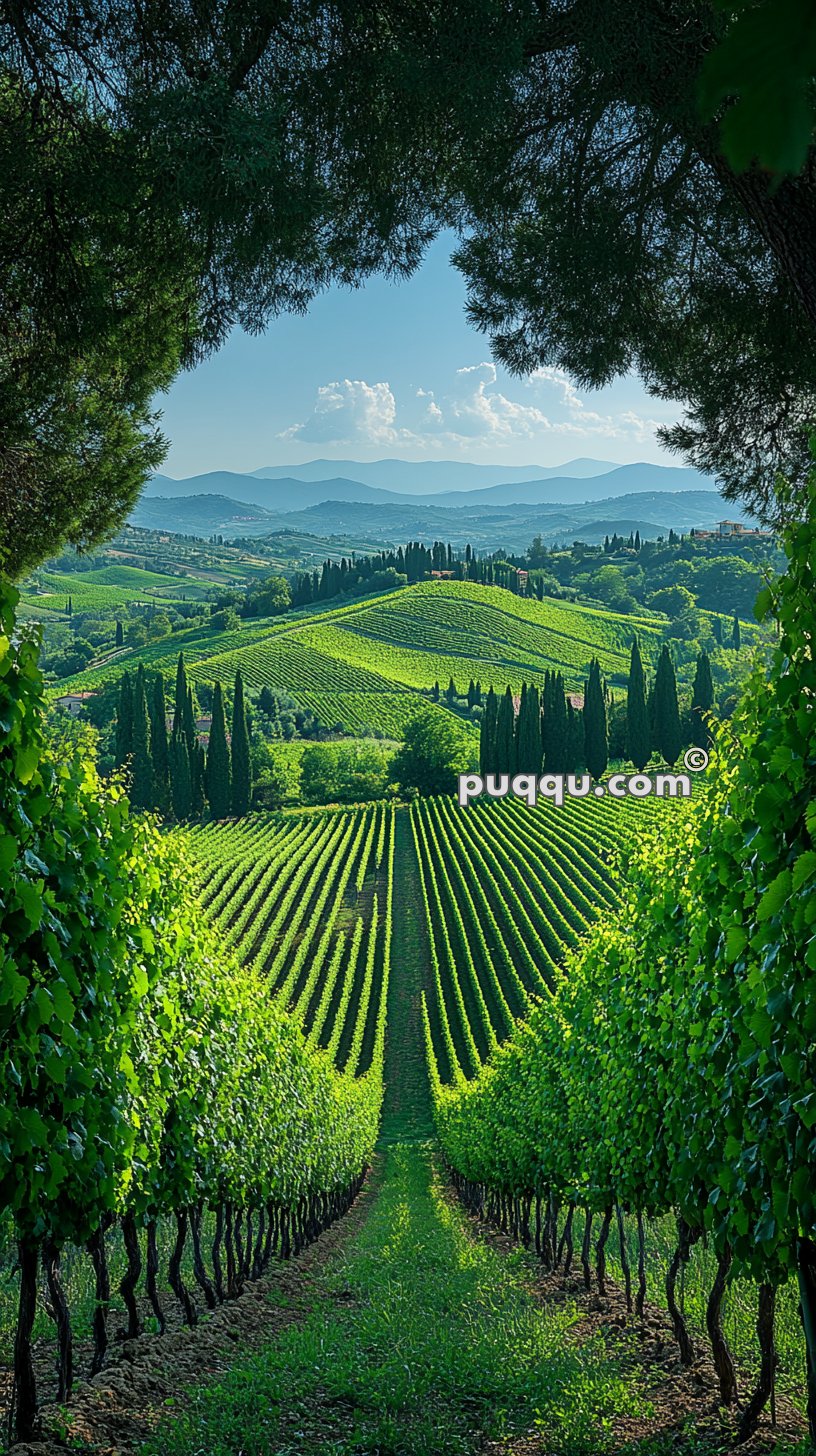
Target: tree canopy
<point>171,171</point>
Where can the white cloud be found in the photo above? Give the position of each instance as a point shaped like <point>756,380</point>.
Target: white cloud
<point>471,411</point>
<point>350,412</point>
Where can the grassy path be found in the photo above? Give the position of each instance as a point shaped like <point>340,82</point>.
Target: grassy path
<point>407,1113</point>
<point>420,1339</point>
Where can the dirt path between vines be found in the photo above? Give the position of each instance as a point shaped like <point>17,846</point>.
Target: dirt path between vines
<point>113,1414</point>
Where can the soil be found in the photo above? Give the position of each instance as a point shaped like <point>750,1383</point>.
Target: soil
<point>683,1398</point>
<point>113,1413</point>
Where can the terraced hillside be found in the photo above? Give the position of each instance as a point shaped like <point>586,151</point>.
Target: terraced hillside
<point>371,662</point>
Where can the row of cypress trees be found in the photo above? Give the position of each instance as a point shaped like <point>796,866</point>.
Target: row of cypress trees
<point>173,773</point>
<point>549,733</point>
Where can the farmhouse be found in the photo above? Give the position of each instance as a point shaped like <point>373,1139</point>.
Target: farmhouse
<point>73,703</point>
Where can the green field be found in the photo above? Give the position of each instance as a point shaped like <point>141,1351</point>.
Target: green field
<point>306,899</point>
<point>370,663</point>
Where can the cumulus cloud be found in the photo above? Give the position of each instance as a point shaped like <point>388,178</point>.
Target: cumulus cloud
<point>472,409</point>
<point>350,412</point>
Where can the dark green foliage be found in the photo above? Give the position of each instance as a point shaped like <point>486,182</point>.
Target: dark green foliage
<point>668,735</point>
<point>217,773</point>
<point>158,746</point>
<point>505,734</point>
<point>189,721</point>
<point>764,67</point>
<point>167,175</point>
<point>180,696</point>
<point>528,731</point>
<point>348,135</point>
<point>241,765</point>
<point>554,723</point>
<point>451,693</point>
<point>672,264</point>
<point>487,735</point>
<point>182,798</point>
<point>120,635</point>
<point>638,733</point>
<point>198,770</point>
<point>736,639</point>
<point>141,791</point>
<point>596,747</point>
<point>435,751</point>
<point>575,751</point>
<point>702,701</point>
<point>124,721</point>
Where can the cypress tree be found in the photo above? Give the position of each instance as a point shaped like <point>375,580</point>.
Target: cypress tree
<point>124,721</point>
<point>716,628</point>
<point>650,713</point>
<point>184,713</point>
<point>158,746</point>
<point>217,773</point>
<point>241,764</point>
<point>141,792</point>
<point>450,692</point>
<point>736,639</point>
<point>120,635</point>
<point>189,721</point>
<point>180,776</point>
<point>554,723</point>
<point>558,725</point>
<point>596,742</point>
<point>198,768</point>
<point>528,731</point>
<point>505,734</point>
<point>638,736</point>
<point>487,735</point>
<point>574,754</point>
<point>180,698</point>
<point>667,713</point>
<point>702,701</point>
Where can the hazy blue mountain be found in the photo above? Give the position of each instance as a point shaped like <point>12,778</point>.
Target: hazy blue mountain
<point>512,527</point>
<point>200,515</point>
<point>623,479</point>
<point>285,493</point>
<point>422,477</point>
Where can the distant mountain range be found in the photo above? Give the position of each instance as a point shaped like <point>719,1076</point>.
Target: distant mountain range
<point>488,525</point>
<point>428,476</point>
<point>293,492</point>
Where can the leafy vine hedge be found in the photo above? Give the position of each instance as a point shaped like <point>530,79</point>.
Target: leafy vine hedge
<point>143,1074</point>
<point>674,1066</point>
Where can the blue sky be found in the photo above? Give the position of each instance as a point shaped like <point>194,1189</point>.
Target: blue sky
<point>393,370</point>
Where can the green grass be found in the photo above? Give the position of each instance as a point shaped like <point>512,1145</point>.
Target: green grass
<point>420,1339</point>
<point>400,642</point>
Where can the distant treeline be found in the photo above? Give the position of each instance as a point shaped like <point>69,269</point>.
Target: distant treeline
<point>545,731</point>
<point>390,569</point>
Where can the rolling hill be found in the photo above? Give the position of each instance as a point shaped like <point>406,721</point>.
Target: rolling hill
<point>371,662</point>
